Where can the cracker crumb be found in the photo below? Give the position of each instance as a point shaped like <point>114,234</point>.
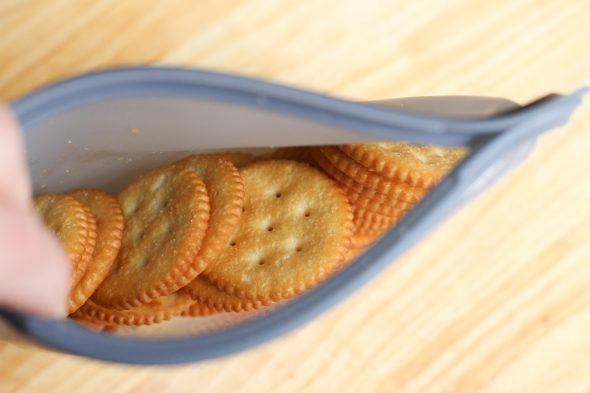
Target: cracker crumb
<point>120,158</point>
<point>136,130</point>
<point>69,141</point>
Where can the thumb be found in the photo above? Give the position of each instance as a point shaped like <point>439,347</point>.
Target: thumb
<point>34,271</point>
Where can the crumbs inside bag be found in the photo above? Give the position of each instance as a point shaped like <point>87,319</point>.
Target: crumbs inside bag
<point>222,237</point>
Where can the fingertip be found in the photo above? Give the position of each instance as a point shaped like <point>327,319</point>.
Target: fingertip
<point>14,176</point>
<point>35,271</point>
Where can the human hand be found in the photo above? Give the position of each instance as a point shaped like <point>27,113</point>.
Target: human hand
<point>34,270</point>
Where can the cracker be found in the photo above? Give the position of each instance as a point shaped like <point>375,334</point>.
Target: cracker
<point>197,309</point>
<point>295,230</point>
<point>226,198</point>
<point>417,165</point>
<point>73,225</point>
<point>209,295</point>
<point>166,213</point>
<point>368,184</point>
<point>158,310</point>
<point>109,220</point>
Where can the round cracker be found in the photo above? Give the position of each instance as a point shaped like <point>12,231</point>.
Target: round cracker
<point>72,224</point>
<point>201,290</point>
<point>417,165</point>
<point>370,185</point>
<point>109,220</point>
<point>294,231</point>
<point>166,212</point>
<point>226,198</point>
<point>158,310</point>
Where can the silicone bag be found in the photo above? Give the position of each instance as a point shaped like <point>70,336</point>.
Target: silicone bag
<point>78,133</point>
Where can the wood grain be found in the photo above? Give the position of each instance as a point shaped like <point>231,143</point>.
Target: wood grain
<point>496,300</point>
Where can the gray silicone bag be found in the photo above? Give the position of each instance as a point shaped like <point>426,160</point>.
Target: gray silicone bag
<point>102,129</point>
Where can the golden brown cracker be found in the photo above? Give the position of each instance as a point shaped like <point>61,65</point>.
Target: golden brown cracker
<point>201,290</point>
<point>109,220</point>
<point>294,231</point>
<point>368,184</point>
<point>226,198</point>
<point>73,225</point>
<point>158,310</point>
<point>166,212</point>
<point>417,165</point>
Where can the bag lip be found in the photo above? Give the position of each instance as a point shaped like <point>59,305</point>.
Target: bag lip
<point>69,337</point>
<point>368,118</point>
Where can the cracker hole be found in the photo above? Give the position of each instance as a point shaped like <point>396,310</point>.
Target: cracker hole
<point>278,194</point>
<point>270,228</point>
<point>306,214</point>
<point>261,262</point>
<point>243,210</point>
<point>299,249</point>
<point>233,243</point>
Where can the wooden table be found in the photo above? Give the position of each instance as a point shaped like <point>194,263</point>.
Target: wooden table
<point>497,300</point>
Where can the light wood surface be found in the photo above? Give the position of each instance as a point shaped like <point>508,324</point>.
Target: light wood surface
<point>496,300</point>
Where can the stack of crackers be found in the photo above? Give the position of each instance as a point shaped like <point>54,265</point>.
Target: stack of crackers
<point>384,181</point>
<point>230,232</point>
